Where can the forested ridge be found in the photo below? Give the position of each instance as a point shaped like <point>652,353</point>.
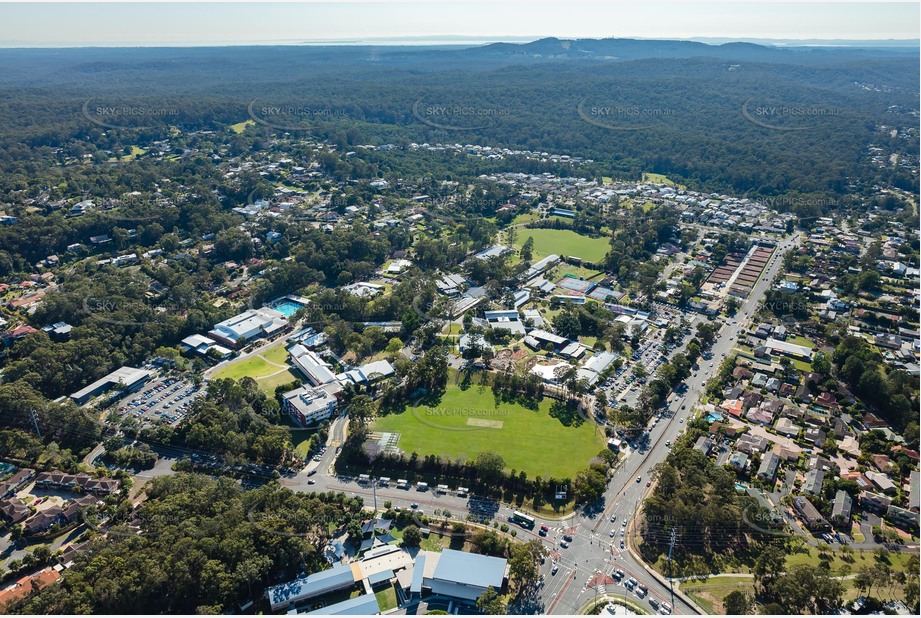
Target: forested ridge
<point>680,114</point>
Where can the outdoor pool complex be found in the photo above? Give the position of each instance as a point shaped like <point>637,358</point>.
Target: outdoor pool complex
<point>287,308</point>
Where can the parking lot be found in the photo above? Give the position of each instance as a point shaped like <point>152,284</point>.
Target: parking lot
<point>163,398</point>
<point>623,386</point>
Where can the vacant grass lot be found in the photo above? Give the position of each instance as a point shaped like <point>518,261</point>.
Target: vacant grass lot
<point>563,242</point>
<point>531,440</point>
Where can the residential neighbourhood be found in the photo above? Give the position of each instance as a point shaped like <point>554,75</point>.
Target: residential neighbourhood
<point>366,360</point>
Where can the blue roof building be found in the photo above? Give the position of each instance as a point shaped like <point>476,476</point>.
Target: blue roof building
<point>365,605</point>
<point>467,576</point>
<point>336,578</point>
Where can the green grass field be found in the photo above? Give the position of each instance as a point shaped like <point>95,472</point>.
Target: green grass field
<point>564,242</point>
<point>268,384</point>
<point>136,151</point>
<point>710,594</point>
<point>276,354</point>
<point>526,217</point>
<point>253,367</point>
<point>241,126</point>
<point>269,369</point>
<point>526,439</point>
<point>660,178</point>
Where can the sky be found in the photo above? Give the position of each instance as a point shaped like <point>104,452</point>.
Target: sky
<point>46,24</point>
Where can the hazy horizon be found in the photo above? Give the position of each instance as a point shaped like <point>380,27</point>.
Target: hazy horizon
<point>50,25</point>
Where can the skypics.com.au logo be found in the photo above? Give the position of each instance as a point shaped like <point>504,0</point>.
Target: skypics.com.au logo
<point>622,117</point>
<point>121,116</point>
<point>466,116</point>
<point>780,116</point>
<point>291,117</point>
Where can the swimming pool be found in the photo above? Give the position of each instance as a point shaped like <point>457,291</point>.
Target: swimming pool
<point>713,416</point>
<point>287,308</point>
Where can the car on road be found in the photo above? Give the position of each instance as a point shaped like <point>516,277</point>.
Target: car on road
<point>414,506</point>
<point>311,473</point>
<point>544,530</point>
<point>311,482</point>
<point>653,602</point>
<point>555,568</point>
<point>564,544</point>
<point>613,518</point>
<point>630,583</point>
<point>648,483</point>
<point>666,609</point>
<point>622,546</point>
<point>613,532</point>
<point>567,537</point>
<point>639,479</point>
<point>618,574</point>
<point>680,420</point>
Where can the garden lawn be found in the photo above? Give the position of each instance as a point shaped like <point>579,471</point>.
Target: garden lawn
<point>386,598</point>
<point>529,440</point>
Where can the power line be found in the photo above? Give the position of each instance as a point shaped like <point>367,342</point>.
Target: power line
<point>671,580</point>
<point>34,419</point>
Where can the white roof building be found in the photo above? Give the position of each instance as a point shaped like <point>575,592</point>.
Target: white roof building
<point>203,345</point>
<point>248,325</point>
<point>129,378</point>
<point>315,369</point>
<point>370,372</point>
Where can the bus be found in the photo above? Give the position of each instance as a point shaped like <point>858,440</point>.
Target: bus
<point>525,521</point>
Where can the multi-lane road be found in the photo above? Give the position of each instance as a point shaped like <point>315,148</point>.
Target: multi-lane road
<point>583,568</point>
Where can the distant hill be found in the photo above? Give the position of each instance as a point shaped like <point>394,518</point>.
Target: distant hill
<point>692,111</point>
